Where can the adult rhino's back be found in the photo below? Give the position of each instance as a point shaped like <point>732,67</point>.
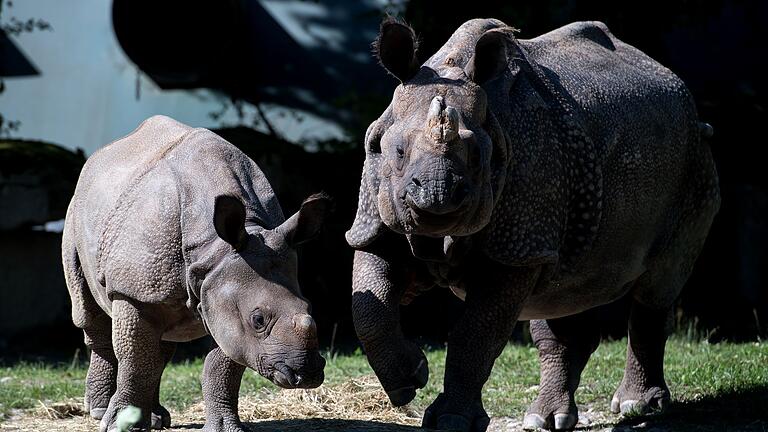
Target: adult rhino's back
<point>639,114</point>
<point>623,93</point>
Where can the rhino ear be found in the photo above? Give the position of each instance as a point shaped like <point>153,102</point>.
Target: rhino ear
<point>306,223</point>
<point>229,221</point>
<point>395,47</point>
<point>490,57</point>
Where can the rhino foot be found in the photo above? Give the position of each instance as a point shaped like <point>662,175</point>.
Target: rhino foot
<point>544,414</point>
<point>533,421</point>
<point>100,384</point>
<point>224,424</point>
<point>418,379</point>
<point>108,421</point>
<point>161,418</point>
<point>400,366</point>
<point>97,413</point>
<point>551,411</point>
<point>628,401</point>
<point>445,414</point>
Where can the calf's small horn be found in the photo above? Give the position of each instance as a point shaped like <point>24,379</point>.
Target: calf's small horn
<point>305,325</point>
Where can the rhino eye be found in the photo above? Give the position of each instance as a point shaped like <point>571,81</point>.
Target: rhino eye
<point>400,160</point>
<point>258,321</point>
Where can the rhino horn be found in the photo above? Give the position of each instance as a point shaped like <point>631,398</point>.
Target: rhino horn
<point>451,128</point>
<point>435,108</point>
<point>442,121</point>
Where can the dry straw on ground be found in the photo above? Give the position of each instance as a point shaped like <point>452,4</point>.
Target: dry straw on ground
<point>358,404</point>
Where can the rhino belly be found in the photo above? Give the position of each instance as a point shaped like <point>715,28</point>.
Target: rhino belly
<point>185,331</point>
<point>577,292</point>
<point>181,324</point>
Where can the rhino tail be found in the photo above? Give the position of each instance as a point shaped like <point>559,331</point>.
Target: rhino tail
<point>84,306</point>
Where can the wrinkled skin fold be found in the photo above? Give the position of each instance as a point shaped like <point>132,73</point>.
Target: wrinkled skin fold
<point>173,233</point>
<point>536,179</point>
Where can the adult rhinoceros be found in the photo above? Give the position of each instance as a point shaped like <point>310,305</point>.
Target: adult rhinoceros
<point>537,179</point>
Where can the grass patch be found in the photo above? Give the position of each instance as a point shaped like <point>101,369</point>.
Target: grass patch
<point>700,375</point>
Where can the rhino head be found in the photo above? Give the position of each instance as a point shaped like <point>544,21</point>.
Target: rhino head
<point>436,158</point>
<point>250,299</point>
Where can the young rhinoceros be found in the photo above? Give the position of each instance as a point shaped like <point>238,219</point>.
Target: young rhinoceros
<point>174,233</point>
<point>537,179</point>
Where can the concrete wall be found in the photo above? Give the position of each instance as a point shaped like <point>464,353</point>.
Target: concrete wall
<point>32,289</point>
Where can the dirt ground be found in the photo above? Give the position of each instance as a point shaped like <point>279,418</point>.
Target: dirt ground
<point>360,405</point>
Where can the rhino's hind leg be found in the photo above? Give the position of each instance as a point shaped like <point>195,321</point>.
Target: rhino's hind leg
<point>140,362</point>
<point>97,330</point>
<point>221,387</point>
<point>564,346</point>
<point>161,418</point>
<point>101,379</point>
<point>643,389</point>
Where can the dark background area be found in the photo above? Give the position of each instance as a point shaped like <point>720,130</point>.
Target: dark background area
<point>717,47</point>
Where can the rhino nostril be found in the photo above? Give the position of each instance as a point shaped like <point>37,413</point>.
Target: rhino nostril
<point>415,193</point>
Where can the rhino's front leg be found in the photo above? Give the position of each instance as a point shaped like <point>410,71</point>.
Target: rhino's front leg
<point>140,362</point>
<point>221,388</point>
<point>493,303</point>
<point>378,284</point>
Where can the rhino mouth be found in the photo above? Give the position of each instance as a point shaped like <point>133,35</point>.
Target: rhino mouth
<point>420,221</point>
<point>289,378</point>
<point>285,377</point>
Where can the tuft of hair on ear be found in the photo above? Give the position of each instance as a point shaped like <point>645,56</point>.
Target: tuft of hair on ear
<point>309,220</point>
<point>391,22</point>
<point>396,35</point>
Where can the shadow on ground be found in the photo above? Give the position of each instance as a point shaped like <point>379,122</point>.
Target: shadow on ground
<point>312,425</point>
<point>743,410</point>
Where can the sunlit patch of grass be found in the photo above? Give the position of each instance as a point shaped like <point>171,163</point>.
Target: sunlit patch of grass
<point>24,384</point>
<point>695,371</point>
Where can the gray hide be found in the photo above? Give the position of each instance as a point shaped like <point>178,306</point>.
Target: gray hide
<point>173,233</point>
<point>537,179</point>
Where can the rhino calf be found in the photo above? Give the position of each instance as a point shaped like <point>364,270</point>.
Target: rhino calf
<point>173,233</point>
<point>537,179</point>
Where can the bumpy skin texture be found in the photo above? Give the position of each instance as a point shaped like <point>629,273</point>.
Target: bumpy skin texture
<point>173,233</point>
<point>537,179</point>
